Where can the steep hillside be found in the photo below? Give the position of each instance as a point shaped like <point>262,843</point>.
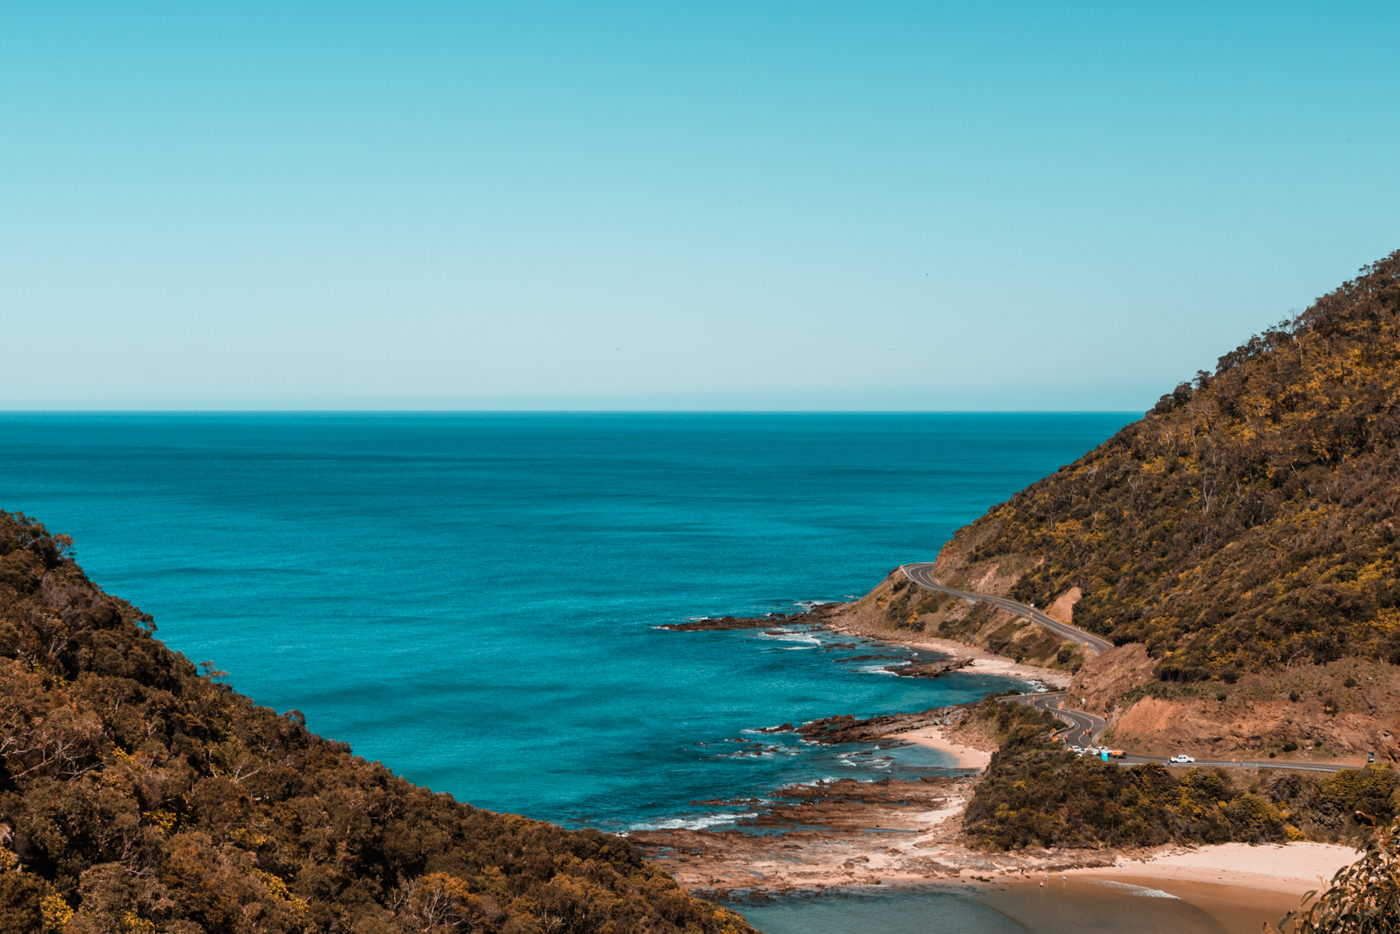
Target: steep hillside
<point>138,796</point>
<point>1248,522</point>
<point>1238,543</point>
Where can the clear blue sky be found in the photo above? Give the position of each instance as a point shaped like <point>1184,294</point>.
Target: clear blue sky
<point>711,205</point>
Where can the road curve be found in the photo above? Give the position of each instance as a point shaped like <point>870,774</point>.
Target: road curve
<point>1083,728</point>
<point>922,574</point>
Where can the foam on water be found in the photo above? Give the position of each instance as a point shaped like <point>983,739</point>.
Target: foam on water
<point>703,822</point>
<point>1141,890</point>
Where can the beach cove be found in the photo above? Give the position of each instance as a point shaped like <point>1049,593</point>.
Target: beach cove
<point>797,859</point>
<point>1202,890</point>
<point>475,601</point>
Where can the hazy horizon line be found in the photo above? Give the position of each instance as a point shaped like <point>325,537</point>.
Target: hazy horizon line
<point>558,411</point>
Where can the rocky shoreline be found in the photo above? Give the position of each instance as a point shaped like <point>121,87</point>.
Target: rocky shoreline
<point>846,833</point>
<point>822,835</point>
<point>815,615</point>
<point>835,617</point>
<point>845,728</point>
<point>810,837</point>
<point>807,838</point>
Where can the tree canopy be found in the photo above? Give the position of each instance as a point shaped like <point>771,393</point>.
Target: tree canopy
<point>1249,520</point>
<point>139,796</point>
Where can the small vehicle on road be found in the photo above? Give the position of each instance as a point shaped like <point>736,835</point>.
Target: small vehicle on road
<point>1180,759</point>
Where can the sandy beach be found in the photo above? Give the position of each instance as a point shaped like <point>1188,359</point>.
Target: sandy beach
<point>896,835</point>
<point>1240,886</point>
<point>935,737</point>
<point>909,834</point>
<point>983,662</point>
<point>1293,868</point>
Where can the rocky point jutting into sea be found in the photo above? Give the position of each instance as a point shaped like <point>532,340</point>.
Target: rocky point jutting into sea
<point>1236,551</point>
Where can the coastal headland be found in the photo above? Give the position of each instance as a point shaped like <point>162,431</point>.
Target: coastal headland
<point>1217,587</point>
<point>845,834</point>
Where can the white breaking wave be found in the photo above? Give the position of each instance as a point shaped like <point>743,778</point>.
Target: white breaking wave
<point>789,635</point>
<point>692,823</point>
<point>1142,890</point>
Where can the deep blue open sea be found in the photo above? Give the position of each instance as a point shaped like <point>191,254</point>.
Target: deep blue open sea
<point>474,599</point>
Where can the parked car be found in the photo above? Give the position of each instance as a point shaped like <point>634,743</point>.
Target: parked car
<point>1181,758</point>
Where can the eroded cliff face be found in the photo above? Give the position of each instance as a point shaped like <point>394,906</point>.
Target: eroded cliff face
<point>1334,712</point>
<point>960,564</point>
<point>1102,682</point>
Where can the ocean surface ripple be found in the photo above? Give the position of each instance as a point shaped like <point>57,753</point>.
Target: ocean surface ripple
<point>473,599</point>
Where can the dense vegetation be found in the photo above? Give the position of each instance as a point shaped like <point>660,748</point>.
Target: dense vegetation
<point>1363,898</point>
<point>1035,794</point>
<point>1248,522</point>
<point>137,796</point>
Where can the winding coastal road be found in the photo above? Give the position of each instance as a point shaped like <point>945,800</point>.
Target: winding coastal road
<point>1081,727</point>
<point>922,574</point>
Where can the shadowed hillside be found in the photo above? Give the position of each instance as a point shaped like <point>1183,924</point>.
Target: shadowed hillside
<point>138,796</point>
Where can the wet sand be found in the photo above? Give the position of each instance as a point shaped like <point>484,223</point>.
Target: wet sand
<point>1234,908</point>
<point>1063,906</point>
<point>1240,885</point>
<point>935,737</point>
<point>1076,902</point>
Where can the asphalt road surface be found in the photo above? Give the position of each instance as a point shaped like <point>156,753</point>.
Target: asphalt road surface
<point>1083,728</point>
<point>922,574</point>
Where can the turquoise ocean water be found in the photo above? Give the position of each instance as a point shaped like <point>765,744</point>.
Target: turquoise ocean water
<point>474,599</point>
